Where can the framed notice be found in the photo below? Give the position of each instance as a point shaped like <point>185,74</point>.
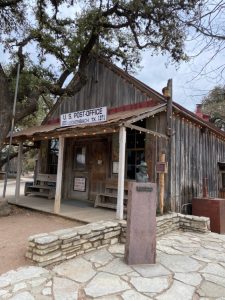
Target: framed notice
<point>115,167</point>
<point>161,167</point>
<point>79,184</point>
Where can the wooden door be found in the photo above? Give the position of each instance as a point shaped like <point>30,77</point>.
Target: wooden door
<point>79,171</point>
<point>99,166</point>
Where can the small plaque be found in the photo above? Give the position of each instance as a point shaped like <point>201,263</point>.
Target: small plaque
<point>115,167</point>
<point>161,167</point>
<point>144,189</point>
<point>79,184</point>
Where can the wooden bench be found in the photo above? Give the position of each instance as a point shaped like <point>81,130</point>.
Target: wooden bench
<point>108,198</point>
<point>2,175</point>
<point>44,185</point>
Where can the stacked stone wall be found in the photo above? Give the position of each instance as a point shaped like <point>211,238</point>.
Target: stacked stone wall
<point>194,223</point>
<point>46,249</point>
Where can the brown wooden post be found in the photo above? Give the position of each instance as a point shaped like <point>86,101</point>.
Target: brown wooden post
<point>58,194</point>
<point>168,93</point>
<point>122,152</point>
<point>162,158</point>
<point>19,170</point>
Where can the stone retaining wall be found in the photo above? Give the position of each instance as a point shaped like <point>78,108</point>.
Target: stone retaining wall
<point>48,248</point>
<point>45,249</point>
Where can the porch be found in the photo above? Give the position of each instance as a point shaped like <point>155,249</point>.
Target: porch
<point>85,159</point>
<point>82,211</point>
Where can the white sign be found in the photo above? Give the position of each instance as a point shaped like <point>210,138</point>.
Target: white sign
<point>79,184</point>
<point>93,115</point>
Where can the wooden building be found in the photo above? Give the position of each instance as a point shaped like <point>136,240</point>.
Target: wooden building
<point>94,161</point>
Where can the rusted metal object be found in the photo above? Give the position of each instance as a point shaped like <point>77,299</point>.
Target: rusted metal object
<point>213,208</point>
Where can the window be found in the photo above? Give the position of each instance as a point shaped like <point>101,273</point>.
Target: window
<point>223,179</point>
<point>80,158</point>
<point>53,151</point>
<point>135,149</point>
<point>221,175</point>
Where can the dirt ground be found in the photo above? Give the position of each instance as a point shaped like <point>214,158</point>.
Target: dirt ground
<point>15,230</point>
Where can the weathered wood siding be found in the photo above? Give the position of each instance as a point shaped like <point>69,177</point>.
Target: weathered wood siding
<point>104,88</point>
<point>197,152</point>
<point>154,146</point>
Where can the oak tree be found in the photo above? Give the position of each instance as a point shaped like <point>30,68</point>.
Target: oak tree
<point>55,39</point>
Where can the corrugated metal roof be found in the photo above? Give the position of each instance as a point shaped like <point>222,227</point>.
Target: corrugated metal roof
<point>113,119</point>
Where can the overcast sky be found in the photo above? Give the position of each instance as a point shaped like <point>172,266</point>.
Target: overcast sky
<point>187,90</point>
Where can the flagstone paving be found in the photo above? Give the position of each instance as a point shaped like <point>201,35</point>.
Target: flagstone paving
<point>189,266</point>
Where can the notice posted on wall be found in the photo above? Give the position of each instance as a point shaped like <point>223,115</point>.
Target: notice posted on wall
<point>93,115</point>
<point>79,184</point>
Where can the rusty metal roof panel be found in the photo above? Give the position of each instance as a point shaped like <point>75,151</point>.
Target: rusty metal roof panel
<point>113,119</point>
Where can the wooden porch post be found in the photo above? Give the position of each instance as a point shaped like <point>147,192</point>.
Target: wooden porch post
<point>19,169</point>
<point>58,194</point>
<point>122,151</point>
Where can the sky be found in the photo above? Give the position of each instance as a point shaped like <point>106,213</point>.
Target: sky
<point>189,88</point>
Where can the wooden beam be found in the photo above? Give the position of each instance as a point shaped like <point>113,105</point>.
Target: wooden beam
<point>138,128</point>
<point>121,174</point>
<point>59,178</point>
<point>162,158</point>
<point>152,112</point>
<point>19,170</point>
<point>170,148</point>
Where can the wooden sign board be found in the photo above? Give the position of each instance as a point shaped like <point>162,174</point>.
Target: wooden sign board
<point>161,167</point>
<point>93,115</point>
<point>79,184</point>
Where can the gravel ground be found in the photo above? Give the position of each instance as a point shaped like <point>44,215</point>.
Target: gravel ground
<point>15,230</point>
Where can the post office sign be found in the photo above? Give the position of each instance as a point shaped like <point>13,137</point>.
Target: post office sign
<point>89,116</point>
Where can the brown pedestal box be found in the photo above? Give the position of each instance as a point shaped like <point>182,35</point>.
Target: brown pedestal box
<point>214,208</point>
<point>140,245</point>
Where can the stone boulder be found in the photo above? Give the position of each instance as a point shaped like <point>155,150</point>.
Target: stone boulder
<point>5,208</point>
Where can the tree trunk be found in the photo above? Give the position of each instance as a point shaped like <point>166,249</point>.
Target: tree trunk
<point>6,106</point>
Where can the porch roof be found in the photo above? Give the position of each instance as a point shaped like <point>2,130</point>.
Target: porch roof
<point>111,125</point>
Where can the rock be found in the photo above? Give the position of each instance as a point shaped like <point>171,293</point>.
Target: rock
<point>211,290</point>
<point>46,239</point>
<point>100,257</point>
<point>78,269</point>
<point>150,285</point>
<point>64,289</point>
<point>47,291</point>
<point>117,267</point>
<point>111,234</point>
<point>179,263</point>
<point>215,269</point>
<point>133,295</point>
<point>178,291</point>
<point>22,274</point>
<point>215,279</point>
<point>117,249</point>
<point>47,257</point>
<point>3,293</point>
<point>105,284</point>
<point>189,278</point>
<point>19,286</point>
<point>23,296</point>
<point>5,208</point>
<point>110,224</point>
<point>151,270</point>
<point>37,281</point>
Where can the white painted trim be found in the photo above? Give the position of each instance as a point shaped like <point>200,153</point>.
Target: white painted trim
<point>19,170</point>
<point>121,174</point>
<point>58,194</point>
